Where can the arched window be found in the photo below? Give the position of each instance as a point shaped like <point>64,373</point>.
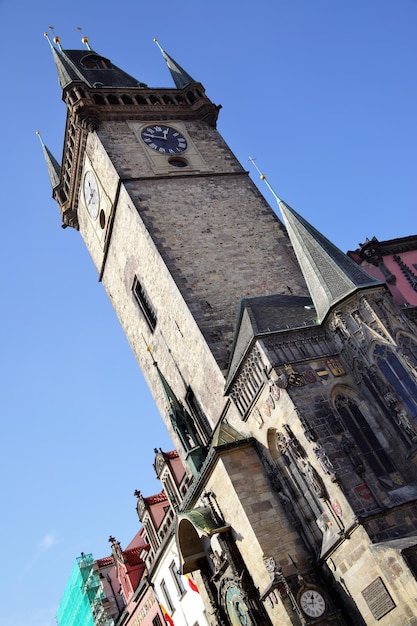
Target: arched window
<point>409,349</point>
<point>398,376</point>
<point>296,480</point>
<point>364,436</point>
<point>94,62</point>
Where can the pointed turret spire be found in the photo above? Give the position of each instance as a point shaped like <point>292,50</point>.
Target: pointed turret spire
<point>174,407</point>
<point>183,425</point>
<point>67,73</point>
<point>330,274</point>
<point>54,169</point>
<point>180,76</point>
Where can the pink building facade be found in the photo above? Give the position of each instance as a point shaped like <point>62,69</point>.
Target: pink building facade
<point>394,262</point>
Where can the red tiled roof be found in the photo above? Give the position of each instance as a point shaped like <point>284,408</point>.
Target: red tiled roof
<point>172,455</point>
<point>132,556</point>
<point>158,497</point>
<point>107,560</point>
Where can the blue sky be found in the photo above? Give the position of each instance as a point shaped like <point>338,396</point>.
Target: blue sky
<point>321,92</point>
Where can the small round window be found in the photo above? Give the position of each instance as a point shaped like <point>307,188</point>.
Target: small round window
<point>177,162</point>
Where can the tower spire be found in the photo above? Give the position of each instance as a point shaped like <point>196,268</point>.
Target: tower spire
<point>180,76</point>
<point>67,73</point>
<point>330,274</point>
<point>54,169</point>
<point>183,425</point>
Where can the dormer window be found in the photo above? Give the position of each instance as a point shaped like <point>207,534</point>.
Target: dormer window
<point>94,62</point>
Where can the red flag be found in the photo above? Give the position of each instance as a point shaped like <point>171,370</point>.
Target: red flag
<point>167,617</point>
<point>192,584</point>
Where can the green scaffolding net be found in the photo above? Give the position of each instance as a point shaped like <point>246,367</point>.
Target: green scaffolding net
<point>81,603</point>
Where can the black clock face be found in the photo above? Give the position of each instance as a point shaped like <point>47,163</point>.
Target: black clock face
<point>164,139</point>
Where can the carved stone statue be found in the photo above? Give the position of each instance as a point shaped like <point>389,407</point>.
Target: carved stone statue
<point>405,423</point>
<point>313,479</point>
<point>324,461</point>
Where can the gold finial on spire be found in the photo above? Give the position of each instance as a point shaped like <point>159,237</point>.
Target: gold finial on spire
<point>84,40</point>
<point>263,177</point>
<point>148,346</point>
<point>149,349</point>
<point>252,160</point>
<point>56,39</point>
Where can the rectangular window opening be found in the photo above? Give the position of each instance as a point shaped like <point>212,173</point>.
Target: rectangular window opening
<point>200,419</point>
<point>144,303</point>
<point>177,578</point>
<point>166,595</point>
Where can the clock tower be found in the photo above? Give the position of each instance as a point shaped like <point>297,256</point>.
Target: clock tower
<point>171,219</point>
<point>283,371</point>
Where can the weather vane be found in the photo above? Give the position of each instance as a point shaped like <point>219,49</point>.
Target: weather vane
<point>84,39</point>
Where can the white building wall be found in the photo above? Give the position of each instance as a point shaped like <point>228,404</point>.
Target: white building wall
<point>188,607</point>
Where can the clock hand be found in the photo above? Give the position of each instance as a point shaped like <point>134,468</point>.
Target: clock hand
<point>91,198</point>
<point>153,136</point>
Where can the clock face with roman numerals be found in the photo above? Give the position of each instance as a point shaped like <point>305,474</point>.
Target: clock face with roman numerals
<point>312,603</point>
<point>164,139</point>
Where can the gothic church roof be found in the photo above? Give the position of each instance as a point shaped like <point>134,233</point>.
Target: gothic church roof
<point>91,68</point>
<point>265,315</point>
<point>330,274</point>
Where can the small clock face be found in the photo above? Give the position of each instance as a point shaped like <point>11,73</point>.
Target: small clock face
<point>312,603</point>
<point>91,194</point>
<point>164,139</point>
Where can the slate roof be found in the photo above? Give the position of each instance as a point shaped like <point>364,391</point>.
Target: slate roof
<point>330,274</point>
<point>265,315</point>
<point>72,66</point>
<point>180,76</point>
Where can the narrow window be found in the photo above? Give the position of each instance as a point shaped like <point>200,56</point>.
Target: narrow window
<point>166,595</point>
<point>177,578</point>
<point>151,534</point>
<point>364,437</point>
<point>144,304</point>
<point>170,490</point>
<point>201,421</point>
<point>156,621</point>
<point>398,376</point>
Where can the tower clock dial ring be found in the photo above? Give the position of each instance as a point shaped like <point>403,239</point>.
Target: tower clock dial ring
<point>164,139</point>
<point>91,194</point>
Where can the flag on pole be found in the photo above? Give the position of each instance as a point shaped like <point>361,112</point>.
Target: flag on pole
<point>192,584</point>
<point>166,615</point>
